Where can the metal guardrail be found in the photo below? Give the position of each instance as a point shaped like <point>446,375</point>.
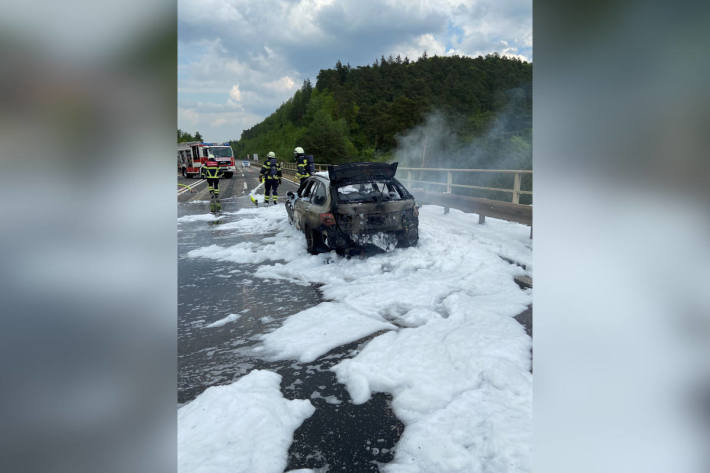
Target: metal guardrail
<point>291,167</point>
<point>511,210</point>
<point>449,185</point>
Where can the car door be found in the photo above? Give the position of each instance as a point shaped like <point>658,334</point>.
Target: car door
<point>302,205</point>
<point>319,200</point>
<point>315,205</point>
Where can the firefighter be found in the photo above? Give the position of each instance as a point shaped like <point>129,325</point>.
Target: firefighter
<point>270,175</point>
<point>304,166</point>
<point>212,172</point>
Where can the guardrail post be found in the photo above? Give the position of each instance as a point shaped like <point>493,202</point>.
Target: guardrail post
<point>516,188</point>
<point>449,181</point>
<point>409,178</point>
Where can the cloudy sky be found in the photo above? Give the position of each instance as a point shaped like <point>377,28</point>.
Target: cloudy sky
<point>238,60</point>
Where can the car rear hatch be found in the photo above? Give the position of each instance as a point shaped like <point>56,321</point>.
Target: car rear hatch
<point>367,198</point>
<point>353,218</point>
<point>356,173</point>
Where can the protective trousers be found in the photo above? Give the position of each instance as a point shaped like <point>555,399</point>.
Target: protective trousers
<point>213,186</point>
<point>271,186</point>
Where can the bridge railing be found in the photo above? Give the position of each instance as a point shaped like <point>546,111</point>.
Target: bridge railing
<point>443,179</point>
<point>492,193</point>
<point>446,180</point>
<point>290,168</point>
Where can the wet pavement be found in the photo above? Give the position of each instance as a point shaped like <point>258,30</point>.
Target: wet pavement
<point>339,436</point>
<point>343,436</point>
<point>210,290</point>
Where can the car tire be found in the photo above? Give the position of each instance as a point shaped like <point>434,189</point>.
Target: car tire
<point>314,242</point>
<point>405,241</point>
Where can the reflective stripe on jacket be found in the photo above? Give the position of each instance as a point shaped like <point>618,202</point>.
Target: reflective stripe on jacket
<point>302,168</point>
<point>212,172</point>
<point>266,171</point>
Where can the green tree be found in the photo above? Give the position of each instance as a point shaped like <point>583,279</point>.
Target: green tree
<point>362,112</point>
<point>327,140</point>
<point>183,136</point>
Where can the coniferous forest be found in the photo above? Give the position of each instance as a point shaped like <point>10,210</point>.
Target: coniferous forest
<point>436,111</point>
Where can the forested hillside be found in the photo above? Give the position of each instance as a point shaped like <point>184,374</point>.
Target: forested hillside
<point>454,111</point>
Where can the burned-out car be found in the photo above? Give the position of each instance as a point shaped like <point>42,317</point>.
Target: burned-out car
<point>355,206</point>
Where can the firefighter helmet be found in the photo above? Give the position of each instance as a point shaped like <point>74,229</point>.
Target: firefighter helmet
<point>271,154</point>
<point>298,150</point>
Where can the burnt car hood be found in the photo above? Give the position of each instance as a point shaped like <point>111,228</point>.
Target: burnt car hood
<point>356,173</point>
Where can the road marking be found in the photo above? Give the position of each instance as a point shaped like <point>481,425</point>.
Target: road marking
<point>190,187</point>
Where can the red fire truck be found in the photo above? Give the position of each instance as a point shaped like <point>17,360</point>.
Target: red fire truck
<point>192,155</point>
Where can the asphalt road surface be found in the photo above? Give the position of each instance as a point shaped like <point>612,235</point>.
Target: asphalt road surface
<point>339,434</point>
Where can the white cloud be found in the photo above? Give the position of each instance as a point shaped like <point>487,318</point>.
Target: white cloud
<point>235,94</point>
<point>202,11</point>
<point>416,47</point>
<point>188,117</point>
<point>283,84</point>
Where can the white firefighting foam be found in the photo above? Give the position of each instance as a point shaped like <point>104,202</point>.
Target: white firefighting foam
<point>244,426</point>
<point>455,361</point>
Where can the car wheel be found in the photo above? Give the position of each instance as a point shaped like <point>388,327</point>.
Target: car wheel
<point>405,239</point>
<point>313,241</point>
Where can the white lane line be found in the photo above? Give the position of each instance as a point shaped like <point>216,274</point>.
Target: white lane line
<point>190,187</point>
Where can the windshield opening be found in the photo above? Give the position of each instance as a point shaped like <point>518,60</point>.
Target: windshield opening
<point>375,191</point>
<point>221,151</point>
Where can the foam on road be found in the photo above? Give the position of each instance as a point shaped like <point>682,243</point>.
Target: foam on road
<point>453,357</point>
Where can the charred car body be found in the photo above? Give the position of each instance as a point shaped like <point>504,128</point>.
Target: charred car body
<point>355,206</point>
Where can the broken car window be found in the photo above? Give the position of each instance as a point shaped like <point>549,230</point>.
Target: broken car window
<point>319,193</point>
<point>375,191</point>
<point>306,194</point>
